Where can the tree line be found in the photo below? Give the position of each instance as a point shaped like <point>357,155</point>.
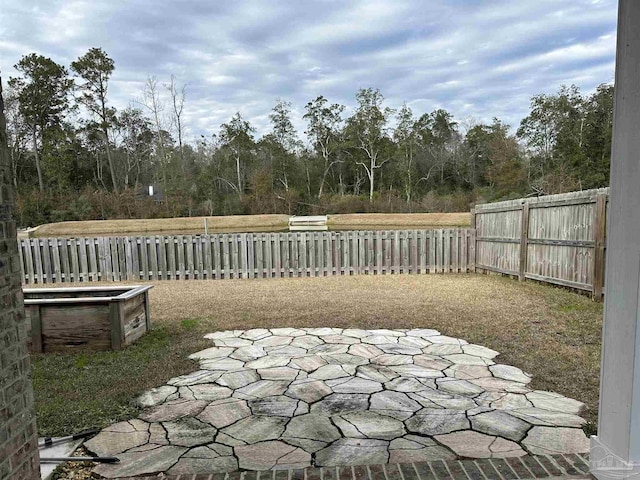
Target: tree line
<point>76,157</point>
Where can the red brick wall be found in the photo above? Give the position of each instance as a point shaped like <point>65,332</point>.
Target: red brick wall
<point>18,436</point>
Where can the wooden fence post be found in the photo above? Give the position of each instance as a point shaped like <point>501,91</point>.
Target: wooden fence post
<point>472,243</point>
<point>524,242</point>
<point>599,233</point>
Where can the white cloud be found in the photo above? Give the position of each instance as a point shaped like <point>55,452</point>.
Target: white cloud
<point>479,59</point>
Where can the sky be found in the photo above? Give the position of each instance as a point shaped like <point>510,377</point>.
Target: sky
<point>478,59</point>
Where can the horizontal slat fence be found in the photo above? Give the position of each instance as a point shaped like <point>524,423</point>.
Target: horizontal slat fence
<point>558,239</point>
<point>246,255</point>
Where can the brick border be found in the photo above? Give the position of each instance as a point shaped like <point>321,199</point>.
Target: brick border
<point>512,468</point>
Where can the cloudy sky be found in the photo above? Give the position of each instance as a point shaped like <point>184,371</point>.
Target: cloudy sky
<point>477,59</point>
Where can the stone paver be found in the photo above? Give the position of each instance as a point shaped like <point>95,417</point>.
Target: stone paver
<point>291,398</point>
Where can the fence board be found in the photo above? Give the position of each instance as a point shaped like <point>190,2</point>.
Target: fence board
<point>257,255</point>
<point>557,239</point>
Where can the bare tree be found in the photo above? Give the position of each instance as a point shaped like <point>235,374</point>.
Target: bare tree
<point>153,103</point>
<point>178,96</point>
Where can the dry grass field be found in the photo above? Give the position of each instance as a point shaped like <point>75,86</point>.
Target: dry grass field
<point>549,332</point>
<point>246,223</point>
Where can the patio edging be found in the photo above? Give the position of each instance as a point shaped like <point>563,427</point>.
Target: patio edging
<point>511,468</point>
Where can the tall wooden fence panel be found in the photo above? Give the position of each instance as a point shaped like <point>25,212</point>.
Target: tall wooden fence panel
<point>556,238</point>
<point>246,255</point>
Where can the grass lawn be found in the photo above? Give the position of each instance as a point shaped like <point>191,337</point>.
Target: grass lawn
<point>247,223</point>
<point>549,332</point>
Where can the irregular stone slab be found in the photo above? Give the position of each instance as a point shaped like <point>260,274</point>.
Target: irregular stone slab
<point>417,449</point>
<point>329,372</point>
<point>201,376</point>
<point>279,406</point>
<point>328,349</point>
<point>365,350</point>
<point>278,373</point>
<point>459,387</point>
<point>297,459</point>
<point>213,352</point>
<point>188,465</point>
<point>268,362</point>
<point>351,451</point>
<point>238,379</point>
<point>423,332</point>
<point>266,456</point>
<point>416,371</point>
<point>369,425</point>
<point>310,446</point>
<point>398,349</point>
<point>273,341</point>
<point>552,440</point>
<point>443,349</point>
<point>552,401</point>
<point>539,416</point>
<point>128,427</point>
<point>225,334</point>
<point>232,342</point>
<point>428,361</point>
<point>256,428</point>
<point>379,339</point>
<point>310,391</point>
<point>223,413</point>
<point>404,384</point>
<point>511,401</point>
<point>358,385</point>
<point>156,395</point>
<point>443,339</point>
<point>174,410</point>
<point>344,359</point>
<point>388,359</point>
<point>389,400</point>
<point>507,372</point>
<point>354,332</point>
<point>308,341</point>
<point>262,388</point>
<point>309,363</point>
<point>157,434</point>
<point>501,424</point>
<point>465,359</point>
<point>209,392</point>
<point>341,339</point>
<point>479,351</point>
<point>478,445</point>
<point>385,331</point>
<point>288,332</point>
<point>430,421</point>
<point>341,403</point>
<point>468,372</point>
<point>247,354</point>
<point>312,426</point>
<point>320,332</point>
<point>227,364</point>
<point>108,443</point>
<point>394,404</point>
<point>134,464</point>
<point>377,373</point>
<point>256,334</point>
<point>212,450</point>
<point>492,384</point>
<point>416,342</point>
<point>287,350</point>
<point>189,432</point>
<point>225,439</point>
<point>436,399</point>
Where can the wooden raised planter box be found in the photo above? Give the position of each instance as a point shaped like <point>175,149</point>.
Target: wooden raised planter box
<point>86,318</point>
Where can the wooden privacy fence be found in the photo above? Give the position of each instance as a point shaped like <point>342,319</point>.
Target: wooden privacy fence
<point>245,255</point>
<point>556,238</point>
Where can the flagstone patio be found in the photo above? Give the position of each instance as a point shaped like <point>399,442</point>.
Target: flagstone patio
<point>291,398</point>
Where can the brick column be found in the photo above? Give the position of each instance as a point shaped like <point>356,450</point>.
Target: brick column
<point>18,437</point>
